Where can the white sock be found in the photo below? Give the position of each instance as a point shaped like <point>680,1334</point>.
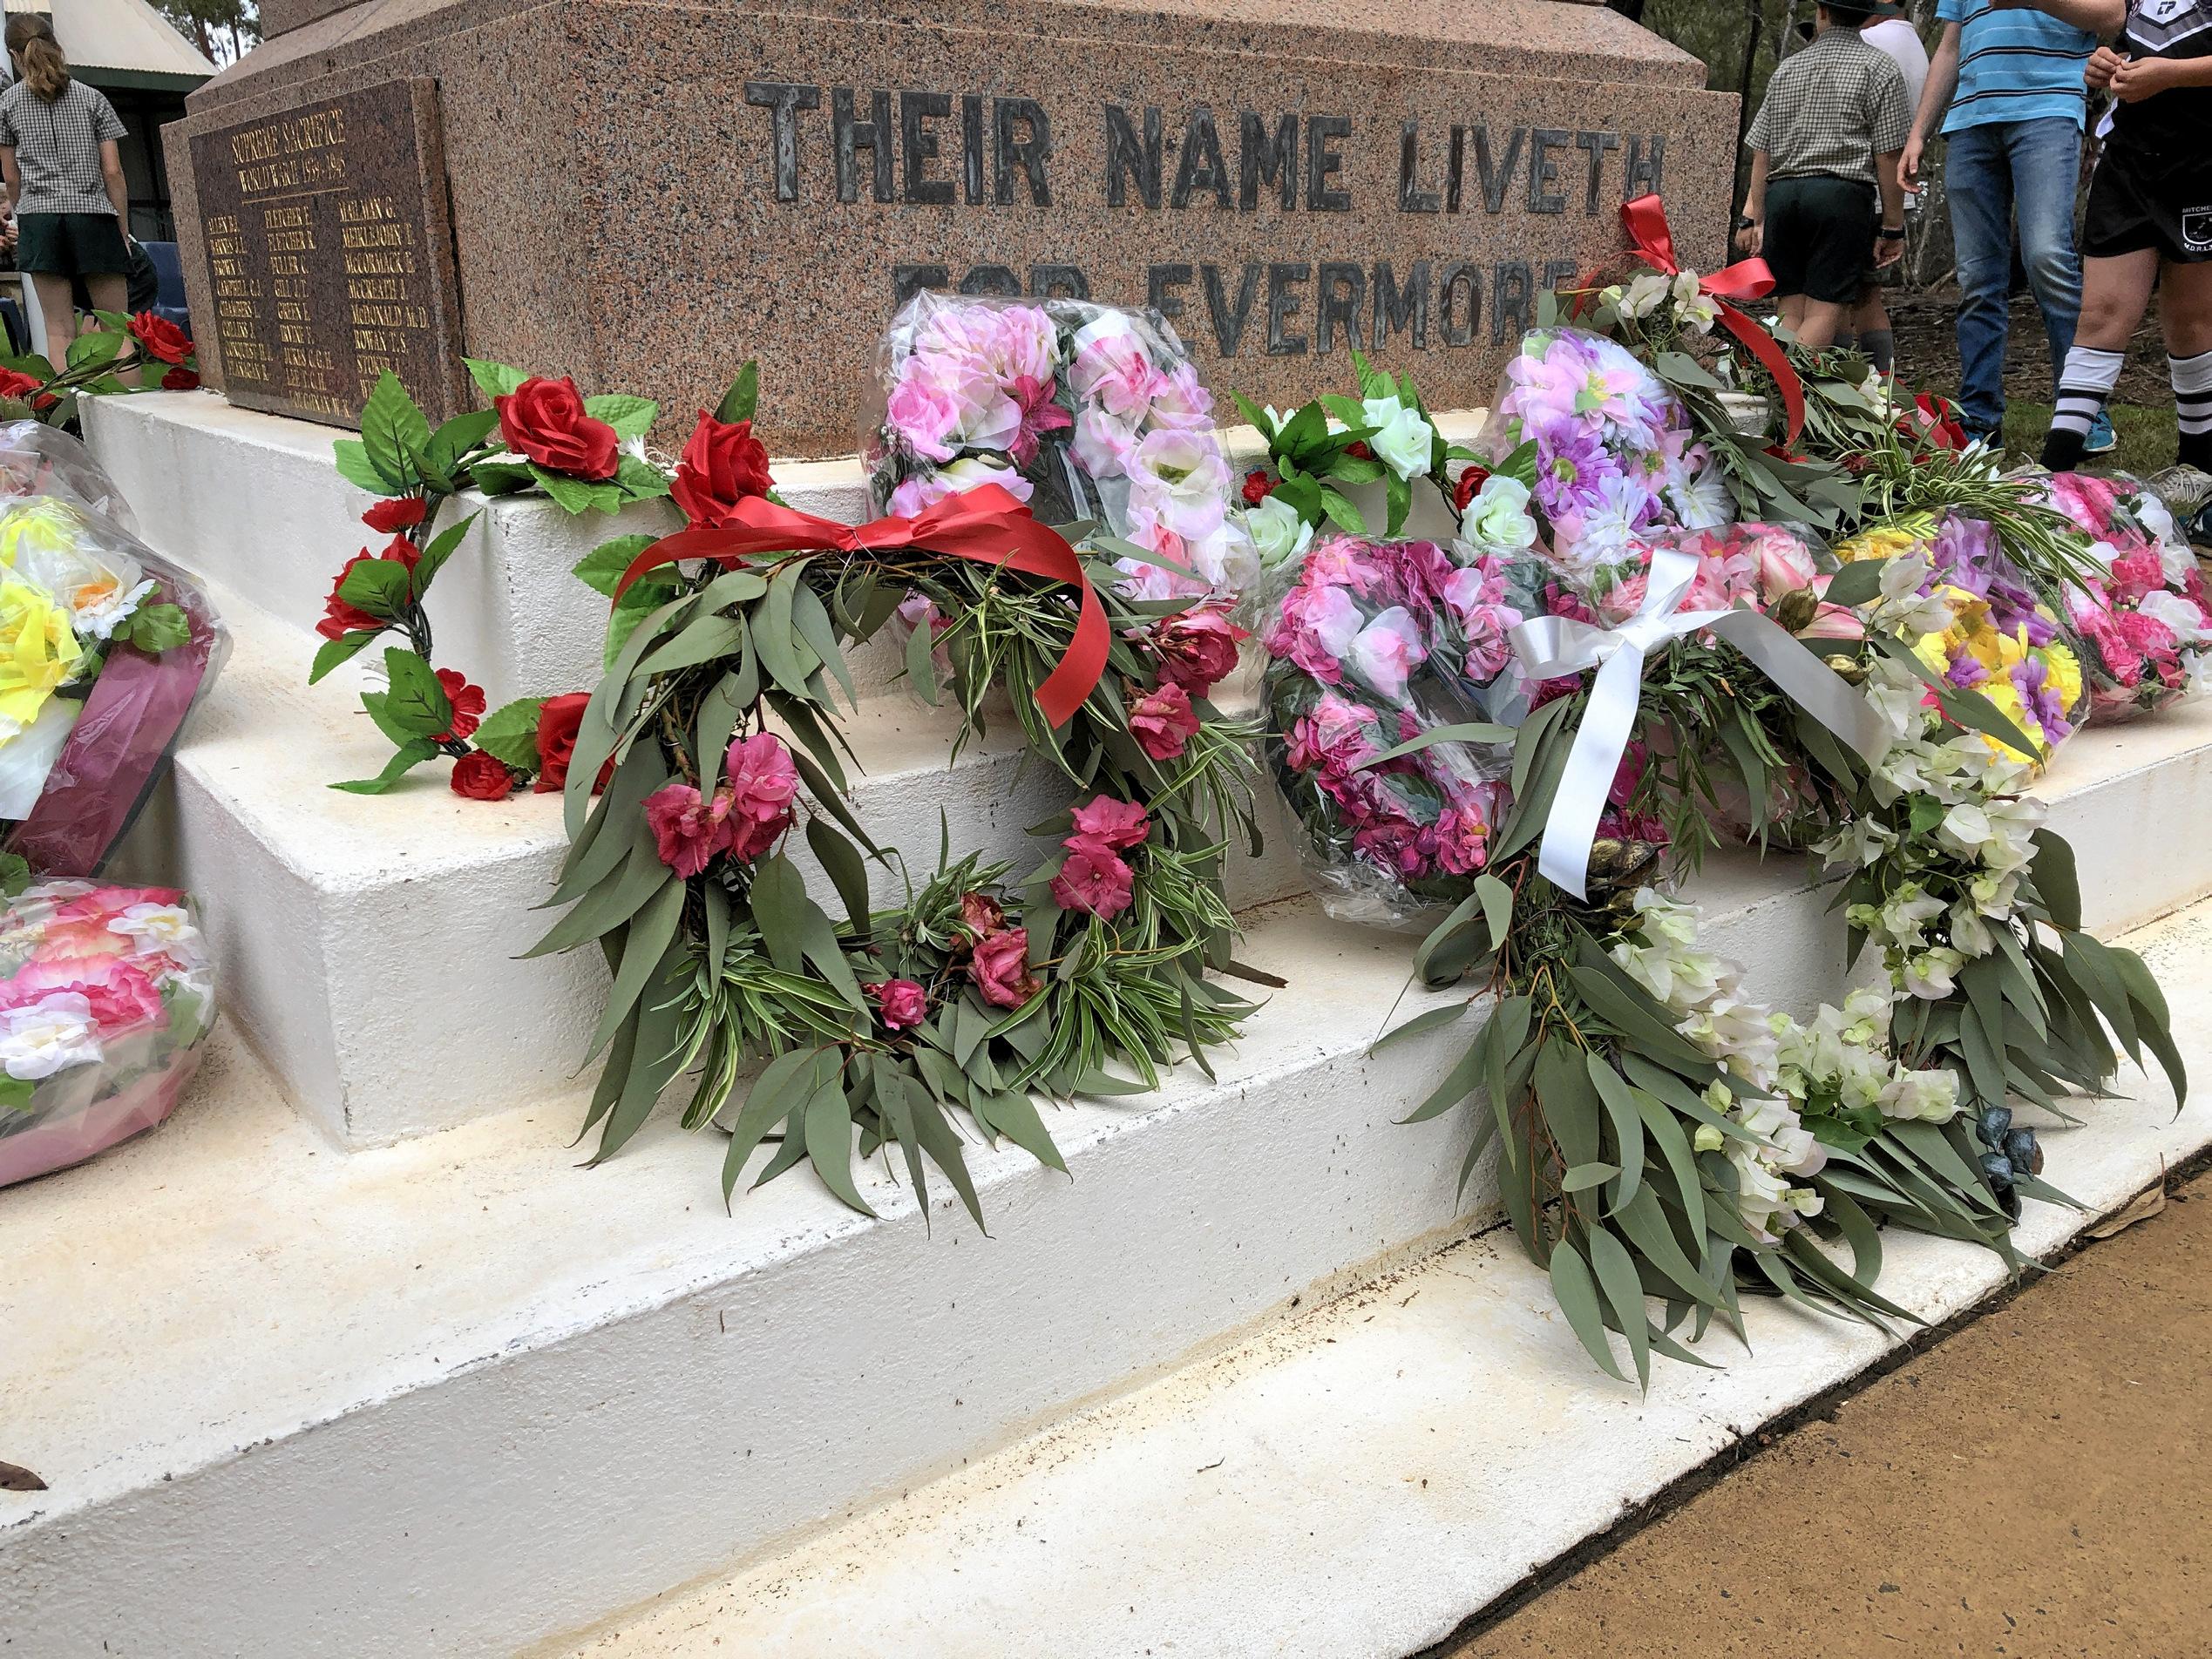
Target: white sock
<point>2085,387</point>
<point>2193,392</point>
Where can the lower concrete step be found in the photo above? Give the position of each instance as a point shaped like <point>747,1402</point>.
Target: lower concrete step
<point>1357,1482</point>
<point>532,1397</point>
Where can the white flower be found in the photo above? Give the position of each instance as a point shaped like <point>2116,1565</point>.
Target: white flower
<point>1608,527</point>
<point>102,611</point>
<point>2151,513</point>
<point>1402,441</point>
<point>47,1036</point>
<point>1929,975</point>
<point>1183,480</point>
<point>1497,519</point>
<point>1926,1097</point>
<point>165,928</point>
<point>1386,652</point>
<point>1226,560</point>
<point>2178,613</point>
<point>1278,532</point>
<point>1905,911</point>
<point>1701,500</point>
<point>1646,293</point>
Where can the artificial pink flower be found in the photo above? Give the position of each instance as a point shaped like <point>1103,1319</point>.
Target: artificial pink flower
<point>1114,372</point>
<point>1164,721</point>
<point>1386,652</point>
<point>1093,879</point>
<point>122,997</point>
<point>1110,823</point>
<point>1000,968</point>
<point>1040,415</point>
<point>688,832</point>
<point>901,1003</point>
<point>1462,838</point>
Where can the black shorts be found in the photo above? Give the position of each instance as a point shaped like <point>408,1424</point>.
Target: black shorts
<point>1820,235</point>
<point>2138,203</point>
<point>71,244</point>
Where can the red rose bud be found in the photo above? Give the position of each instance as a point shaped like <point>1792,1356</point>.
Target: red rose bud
<point>1471,484</point>
<point>558,721</point>
<point>546,421</point>
<point>901,1003</point>
<point>481,776</point>
<point>27,387</point>
<point>161,338</point>
<point>468,704</point>
<point>1257,487</point>
<point>721,465</point>
<point>1358,447</point>
<point>339,618</point>
<point>400,512</point>
<point>1197,650</point>
<point>181,380</point>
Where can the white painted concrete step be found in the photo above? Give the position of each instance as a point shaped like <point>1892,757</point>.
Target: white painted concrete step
<point>1356,1483</point>
<point>248,1364</point>
<point>369,945</point>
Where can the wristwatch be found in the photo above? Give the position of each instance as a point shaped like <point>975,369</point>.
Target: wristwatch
<point>1744,221</point>
<point>1889,235</point>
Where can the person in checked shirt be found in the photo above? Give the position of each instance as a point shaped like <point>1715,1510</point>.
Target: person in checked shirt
<point>1824,190</point>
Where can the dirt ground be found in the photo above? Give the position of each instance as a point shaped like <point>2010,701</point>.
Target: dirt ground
<point>2039,1483</point>
<point>1928,352</point>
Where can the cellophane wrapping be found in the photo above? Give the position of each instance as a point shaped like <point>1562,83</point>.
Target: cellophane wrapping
<point>1089,413</point>
<point>2144,619</point>
<point>37,460</point>
<point>106,999</point>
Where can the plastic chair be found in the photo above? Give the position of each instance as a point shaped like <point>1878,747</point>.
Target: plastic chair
<point>170,269</point>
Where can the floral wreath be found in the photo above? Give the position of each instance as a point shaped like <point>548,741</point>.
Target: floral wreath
<point>988,985</point>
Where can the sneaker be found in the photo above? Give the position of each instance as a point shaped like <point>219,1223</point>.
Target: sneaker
<point>2183,489</point>
<point>2198,528</point>
<point>2102,439</point>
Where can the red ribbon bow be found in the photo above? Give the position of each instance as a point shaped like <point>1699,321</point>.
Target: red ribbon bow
<point>1645,219</point>
<point>986,524</point>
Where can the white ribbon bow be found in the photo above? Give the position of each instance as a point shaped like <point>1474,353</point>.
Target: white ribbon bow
<point>1550,648</point>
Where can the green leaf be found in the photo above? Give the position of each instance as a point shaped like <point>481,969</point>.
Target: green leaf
<point>786,657</point>
<point>2057,883</point>
<point>380,587</point>
<point>394,431</point>
<point>1433,1018</point>
<point>95,346</point>
<point>501,478</point>
<point>630,417</point>
<point>705,638</point>
<point>638,602</point>
<point>442,547</point>
<point>1856,584</point>
<point>352,458</point>
<point>647,943</point>
<point>637,480</point>
<point>789,1080</point>
<point>848,873</point>
<point>744,396</point>
<point>458,436</point>
<point>780,903</point>
<point>602,570</point>
<point>573,496</point>
<point>417,704</point>
<point>1497,907</point>
<point>1014,1115</point>
<point>1628,1125</point>
<point>1584,1175</point>
<point>510,732</point>
<point>829,1141</point>
<point>1578,1297</point>
<point>1624,1289</point>
<point>404,760</point>
<point>1570,1104</point>
<point>494,379</point>
<point>1463,732</point>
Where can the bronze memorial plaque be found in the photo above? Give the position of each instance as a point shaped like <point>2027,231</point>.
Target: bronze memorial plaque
<point>330,255</point>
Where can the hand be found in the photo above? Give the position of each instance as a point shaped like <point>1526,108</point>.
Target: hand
<point>1751,238</point>
<point>2142,77</point>
<point>1909,164</point>
<point>1888,250</point>
<point>2104,64</point>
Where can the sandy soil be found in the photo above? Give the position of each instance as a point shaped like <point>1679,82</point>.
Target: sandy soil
<point>2040,1483</point>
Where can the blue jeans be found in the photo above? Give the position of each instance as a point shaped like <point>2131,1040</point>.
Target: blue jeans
<point>2035,167</point>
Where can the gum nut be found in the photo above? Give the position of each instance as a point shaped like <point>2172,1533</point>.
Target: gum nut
<point>2023,1152</point>
<point>1999,1169</point>
<point>1995,1122</point>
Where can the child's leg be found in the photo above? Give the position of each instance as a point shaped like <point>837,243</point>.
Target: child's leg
<point>1822,320</point>
<point>1793,314</point>
<point>2115,293</point>
<point>2185,309</point>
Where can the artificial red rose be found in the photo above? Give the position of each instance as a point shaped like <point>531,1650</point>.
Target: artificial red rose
<point>1358,449</point>
<point>1196,649</point>
<point>1470,482</point>
<point>1109,823</point>
<point>1000,968</point>
<point>1093,879</point>
<point>181,380</point>
<point>468,704</point>
<point>1164,721</point>
<point>161,338</point>
<point>901,1003</point>
<point>479,776</point>
<point>721,465</point>
<point>400,512</point>
<point>1257,487</point>
<point>15,384</point>
<point>545,420</point>
<point>558,721</point>
<point>339,617</point>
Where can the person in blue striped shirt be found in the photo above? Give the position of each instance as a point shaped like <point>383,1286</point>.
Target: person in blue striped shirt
<point>2007,82</point>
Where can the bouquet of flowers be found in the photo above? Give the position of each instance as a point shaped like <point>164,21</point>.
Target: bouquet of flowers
<point>1378,643</point>
<point>1607,451</point>
<point>2000,640</point>
<point>40,460</point>
<point>109,648</point>
<point>105,999</point>
<point>2142,613</point>
<point>1086,412</point>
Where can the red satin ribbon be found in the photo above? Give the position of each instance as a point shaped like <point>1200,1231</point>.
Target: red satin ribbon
<point>1645,219</point>
<point>986,524</point>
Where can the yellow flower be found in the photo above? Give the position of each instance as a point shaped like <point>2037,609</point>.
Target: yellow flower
<point>39,652</point>
<point>2065,673</point>
<point>1881,542</point>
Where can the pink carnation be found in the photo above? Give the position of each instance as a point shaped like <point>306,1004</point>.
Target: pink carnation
<point>688,832</point>
<point>123,998</point>
<point>1464,838</point>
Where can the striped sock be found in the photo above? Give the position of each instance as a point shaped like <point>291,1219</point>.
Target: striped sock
<point>2083,389</point>
<point>2193,407</point>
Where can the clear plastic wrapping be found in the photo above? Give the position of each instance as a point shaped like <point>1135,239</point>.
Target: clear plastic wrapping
<point>110,648</point>
<point>1376,643</point>
<point>2145,620</point>
<point>1087,412</point>
<point>40,460</point>
<point>106,999</point>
